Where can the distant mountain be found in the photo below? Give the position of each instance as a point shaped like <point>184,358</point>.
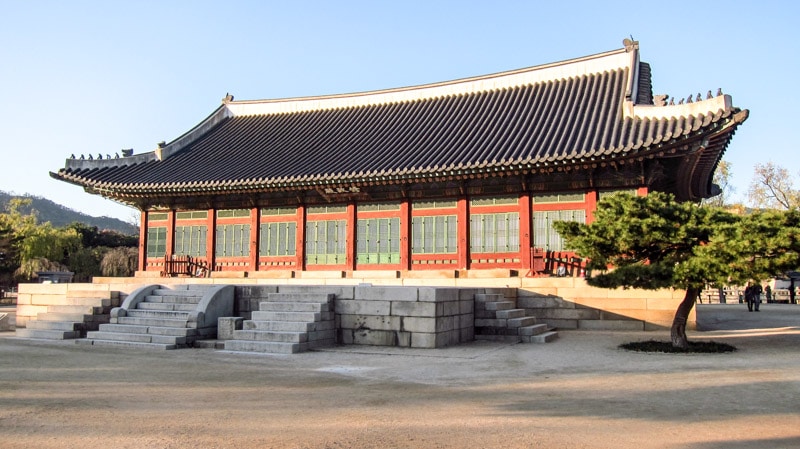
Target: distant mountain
<point>59,215</point>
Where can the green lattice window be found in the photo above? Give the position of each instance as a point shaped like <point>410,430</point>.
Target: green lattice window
<point>544,236</point>
<point>233,213</point>
<point>190,240</point>
<point>434,234</point>
<point>378,240</point>
<point>326,242</point>
<point>564,197</point>
<point>156,241</point>
<point>233,240</point>
<point>494,233</point>
<point>278,239</point>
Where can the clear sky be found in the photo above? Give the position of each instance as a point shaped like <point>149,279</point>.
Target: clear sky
<point>82,77</point>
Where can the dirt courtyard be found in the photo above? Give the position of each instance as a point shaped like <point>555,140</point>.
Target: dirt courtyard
<point>580,391</point>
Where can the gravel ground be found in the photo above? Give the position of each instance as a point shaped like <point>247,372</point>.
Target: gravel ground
<point>580,391</point>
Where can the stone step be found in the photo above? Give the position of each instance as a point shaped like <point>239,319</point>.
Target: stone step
<point>166,306</point>
<point>137,338</point>
<point>489,297</point>
<point>179,292</point>
<point>268,347</point>
<point>191,287</point>
<point>499,305</point>
<point>300,297</point>
<point>268,306</point>
<point>54,325</point>
<point>545,337</point>
<point>97,302</point>
<point>161,314</point>
<point>75,317</point>
<point>503,338</point>
<point>146,321</point>
<point>153,330</point>
<point>511,313</point>
<point>126,344</point>
<point>173,299</point>
<point>78,308</point>
<point>521,322</point>
<point>92,294</point>
<point>283,337</point>
<point>536,329</point>
<point>288,316</point>
<point>286,326</point>
<point>47,334</point>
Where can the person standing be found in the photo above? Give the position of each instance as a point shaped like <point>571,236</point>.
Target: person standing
<point>768,293</point>
<point>748,296</point>
<point>756,296</point>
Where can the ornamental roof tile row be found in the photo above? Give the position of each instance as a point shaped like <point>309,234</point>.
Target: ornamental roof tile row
<point>589,109</point>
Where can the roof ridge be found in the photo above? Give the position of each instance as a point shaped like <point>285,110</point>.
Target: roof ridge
<point>571,68</point>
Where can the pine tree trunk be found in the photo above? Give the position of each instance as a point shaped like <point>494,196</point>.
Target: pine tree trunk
<point>678,331</point>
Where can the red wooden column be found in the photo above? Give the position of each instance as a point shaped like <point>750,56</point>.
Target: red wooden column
<point>405,234</point>
<point>300,238</point>
<point>525,229</point>
<point>350,240</point>
<point>463,233</point>
<point>142,263</point>
<point>591,205</point>
<point>170,233</point>
<point>255,235</point>
<point>211,238</point>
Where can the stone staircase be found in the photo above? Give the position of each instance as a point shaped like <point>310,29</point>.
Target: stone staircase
<point>80,312</point>
<point>287,323</point>
<point>154,317</point>
<point>498,319</point>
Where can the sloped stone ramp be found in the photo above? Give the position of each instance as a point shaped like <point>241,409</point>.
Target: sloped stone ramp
<point>156,317</point>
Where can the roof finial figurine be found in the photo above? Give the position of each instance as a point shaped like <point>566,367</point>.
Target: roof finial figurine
<point>709,96</point>
<point>228,98</point>
<point>689,99</point>
<point>99,156</point>
<point>90,157</point>
<point>116,155</point>
<point>672,101</point>
<point>681,102</point>
<point>719,91</point>
<point>72,156</point>
<point>699,98</point>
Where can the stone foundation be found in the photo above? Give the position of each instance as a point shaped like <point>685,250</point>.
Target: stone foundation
<point>431,311</point>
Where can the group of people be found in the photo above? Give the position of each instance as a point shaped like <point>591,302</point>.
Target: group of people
<point>752,296</point>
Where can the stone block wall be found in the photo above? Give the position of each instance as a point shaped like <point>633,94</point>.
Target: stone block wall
<point>33,299</point>
<point>415,317</point>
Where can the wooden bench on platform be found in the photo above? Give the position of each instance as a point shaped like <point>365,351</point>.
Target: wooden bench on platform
<point>183,265</point>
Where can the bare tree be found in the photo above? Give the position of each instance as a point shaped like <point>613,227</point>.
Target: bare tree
<point>722,179</point>
<point>772,188</point>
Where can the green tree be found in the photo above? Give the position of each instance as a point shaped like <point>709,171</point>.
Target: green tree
<point>33,246</point>
<point>656,242</point>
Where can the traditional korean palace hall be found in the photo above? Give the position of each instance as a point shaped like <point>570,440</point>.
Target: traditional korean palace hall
<point>440,194</point>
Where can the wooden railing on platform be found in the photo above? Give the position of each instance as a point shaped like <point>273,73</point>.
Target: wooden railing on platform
<point>183,265</point>
<point>555,263</point>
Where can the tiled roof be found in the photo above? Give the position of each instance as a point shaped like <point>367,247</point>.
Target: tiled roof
<point>578,112</point>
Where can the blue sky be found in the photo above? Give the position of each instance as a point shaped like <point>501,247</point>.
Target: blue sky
<point>98,76</point>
